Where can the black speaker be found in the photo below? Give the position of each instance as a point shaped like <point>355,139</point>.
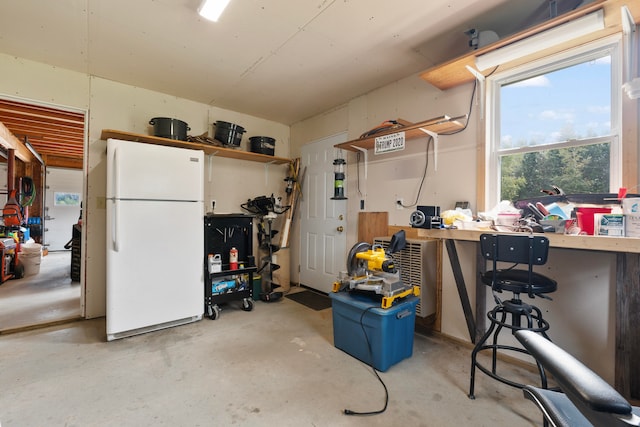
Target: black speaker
<point>426,217</point>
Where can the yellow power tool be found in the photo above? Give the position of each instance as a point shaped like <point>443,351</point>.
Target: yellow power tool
<point>372,269</point>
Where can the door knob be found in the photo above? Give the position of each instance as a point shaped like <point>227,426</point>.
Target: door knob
<point>340,229</point>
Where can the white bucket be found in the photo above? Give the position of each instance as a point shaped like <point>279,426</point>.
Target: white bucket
<point>31,262</point>
<point>31,248</point>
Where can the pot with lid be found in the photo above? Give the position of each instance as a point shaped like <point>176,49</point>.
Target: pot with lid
<point>165,127</point>
<point>263,145</point>
<point>230,134</point>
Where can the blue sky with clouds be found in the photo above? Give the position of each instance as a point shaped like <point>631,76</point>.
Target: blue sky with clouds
<point>573,102</point>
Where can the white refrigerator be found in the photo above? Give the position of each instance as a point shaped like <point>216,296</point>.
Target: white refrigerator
<point>155,239</point>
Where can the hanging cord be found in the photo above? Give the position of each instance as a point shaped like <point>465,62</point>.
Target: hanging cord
<point>384,126</point>
<point>358,172</point>
<point>28,191</point>
<point>386,392</point>
<point>424,174</point>
<point>473,94</point>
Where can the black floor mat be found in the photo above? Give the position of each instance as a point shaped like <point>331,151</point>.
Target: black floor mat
<point>313,300</point>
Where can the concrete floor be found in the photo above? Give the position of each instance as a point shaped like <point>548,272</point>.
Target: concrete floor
<point>48,296</point>
<point>275,365</point>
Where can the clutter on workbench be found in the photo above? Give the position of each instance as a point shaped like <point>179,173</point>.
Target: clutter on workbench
<point>426,217</point>
<point>613,215</point>
<point>631,211</point>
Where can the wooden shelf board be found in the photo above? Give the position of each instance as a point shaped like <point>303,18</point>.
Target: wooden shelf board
<point>454,72</point>
<point>439,125</point>
<point>208,149</point>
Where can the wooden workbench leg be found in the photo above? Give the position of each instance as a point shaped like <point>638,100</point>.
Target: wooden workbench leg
<point>627,369</point>
<point>462,288</point>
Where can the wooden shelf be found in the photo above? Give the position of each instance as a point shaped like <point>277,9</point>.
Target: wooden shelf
<point>207,148</point>
<point>454,72</point>
<point>439,125</point>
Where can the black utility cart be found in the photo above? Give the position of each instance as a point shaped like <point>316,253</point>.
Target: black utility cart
<point>222,233</point>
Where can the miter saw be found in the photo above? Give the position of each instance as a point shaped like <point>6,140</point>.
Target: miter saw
<point>371,269</point>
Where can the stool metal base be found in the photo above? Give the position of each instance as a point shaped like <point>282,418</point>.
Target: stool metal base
<point>517,309</point>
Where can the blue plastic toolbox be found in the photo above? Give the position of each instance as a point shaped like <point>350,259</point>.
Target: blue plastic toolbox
<point>389,331</point>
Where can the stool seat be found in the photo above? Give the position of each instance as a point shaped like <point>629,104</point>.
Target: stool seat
<point>517,281</point>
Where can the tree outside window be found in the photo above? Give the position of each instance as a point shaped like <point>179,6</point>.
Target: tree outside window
<point>556,125</point>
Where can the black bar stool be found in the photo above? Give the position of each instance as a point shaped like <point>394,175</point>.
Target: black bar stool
<point>516,249</point>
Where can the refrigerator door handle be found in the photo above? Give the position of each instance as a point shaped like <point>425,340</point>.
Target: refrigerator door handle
<point>114,224</point>
<point>115,181</point>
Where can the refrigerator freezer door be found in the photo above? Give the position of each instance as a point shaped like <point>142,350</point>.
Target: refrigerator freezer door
<point>153,172</point>
<point>154,265</point>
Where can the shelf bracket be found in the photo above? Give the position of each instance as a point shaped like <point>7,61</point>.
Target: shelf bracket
<point>433,135</point>
<point>364,152</point>
<point>210,157</point>
<point>210,161</point>
<point>480,79</point>
<point>266,171</point>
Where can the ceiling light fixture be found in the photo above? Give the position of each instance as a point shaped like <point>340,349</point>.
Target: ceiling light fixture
<point>212,9</point>
<point>541,41</point>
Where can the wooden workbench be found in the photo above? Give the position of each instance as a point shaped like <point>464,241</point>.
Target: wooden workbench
<point>627,333</point>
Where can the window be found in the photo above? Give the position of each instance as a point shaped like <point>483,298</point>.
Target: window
<point>555,122</point>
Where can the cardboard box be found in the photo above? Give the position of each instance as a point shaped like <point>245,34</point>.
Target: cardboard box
<point>632,225</point>
<point>631,211</point>
<point>631,206</point>
<point>609,225</point>
<point>389,332</point>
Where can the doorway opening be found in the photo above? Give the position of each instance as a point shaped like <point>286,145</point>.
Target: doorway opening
<point>46,148</point>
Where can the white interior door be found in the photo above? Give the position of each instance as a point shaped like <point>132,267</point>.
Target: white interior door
<point>323,221</point>
<point>63,195</point>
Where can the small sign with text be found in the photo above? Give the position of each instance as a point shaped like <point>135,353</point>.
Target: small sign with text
<point>389,143</point>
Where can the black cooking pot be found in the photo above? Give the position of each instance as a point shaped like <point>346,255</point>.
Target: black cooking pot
<point>229,134</point>
<point>165,127</point>
<point>263,145</point>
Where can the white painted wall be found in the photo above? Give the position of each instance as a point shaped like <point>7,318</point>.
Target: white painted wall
<point>113,105</point>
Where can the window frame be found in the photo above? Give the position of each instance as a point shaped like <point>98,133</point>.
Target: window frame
<point>611,45</point>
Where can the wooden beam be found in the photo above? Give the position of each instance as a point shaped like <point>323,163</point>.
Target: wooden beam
<point>63,162</point>
<point>9,141</point>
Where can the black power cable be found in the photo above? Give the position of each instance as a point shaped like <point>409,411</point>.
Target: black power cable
<point>386,392</point>
<point>430,140</point>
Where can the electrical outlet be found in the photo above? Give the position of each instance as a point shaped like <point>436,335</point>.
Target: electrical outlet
<point>399,203</point>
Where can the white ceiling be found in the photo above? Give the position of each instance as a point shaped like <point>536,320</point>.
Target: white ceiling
<point>283,60</point>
